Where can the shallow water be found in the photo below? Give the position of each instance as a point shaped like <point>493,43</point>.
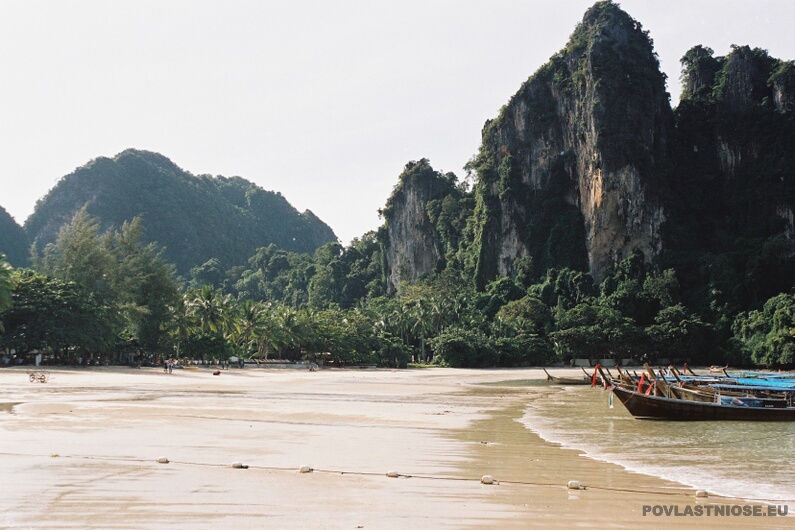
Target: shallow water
<point>746,460</point>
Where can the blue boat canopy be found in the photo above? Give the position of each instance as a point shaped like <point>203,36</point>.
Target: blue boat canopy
<point>771,387</point>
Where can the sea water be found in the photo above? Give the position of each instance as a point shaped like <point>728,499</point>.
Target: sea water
<point>746,460</point>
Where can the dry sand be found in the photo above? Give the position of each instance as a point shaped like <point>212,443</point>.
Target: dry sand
<point>81,450</point>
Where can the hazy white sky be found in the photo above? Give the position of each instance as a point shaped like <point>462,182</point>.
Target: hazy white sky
<point>324,101</point>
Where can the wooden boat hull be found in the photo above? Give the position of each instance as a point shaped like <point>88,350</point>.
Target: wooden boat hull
<point>661,408</point>
<point>690,394</point>
<point>557,380</point>
<point>571,381</point>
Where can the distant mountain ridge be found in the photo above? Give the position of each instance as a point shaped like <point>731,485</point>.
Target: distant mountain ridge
<point>195,218</point>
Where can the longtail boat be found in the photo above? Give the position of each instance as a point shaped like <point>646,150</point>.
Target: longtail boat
<point>560,380</point>
<point>658,398</point>
<point>645,406</point>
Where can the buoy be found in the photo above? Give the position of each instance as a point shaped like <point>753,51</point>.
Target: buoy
<point>574,485</point>
<point>392,474</point>
<point>238,465</point>
<point>487,479</point>
<point>702,494</point>
<point>162,460</point>
<point>305,469</point>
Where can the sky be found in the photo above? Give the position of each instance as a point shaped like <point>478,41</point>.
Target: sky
<point>322,101</point>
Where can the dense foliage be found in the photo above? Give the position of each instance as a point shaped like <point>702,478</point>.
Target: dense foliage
<point>722,290</point>
<point>178,210</point>
<point>13,240</point>
<point>729,229</point>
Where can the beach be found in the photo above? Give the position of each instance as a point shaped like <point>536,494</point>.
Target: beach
<point>82,451</point>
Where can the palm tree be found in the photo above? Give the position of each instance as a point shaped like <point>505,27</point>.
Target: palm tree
<point>211,315</point>
<point>422,324</point>
<point>286,332</point>
<point>180,325</point>
<point>210,308</point>
<point>252,326</point>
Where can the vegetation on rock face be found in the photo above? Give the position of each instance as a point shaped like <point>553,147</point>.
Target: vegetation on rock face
<point>721,290</point>
<point>729,232</point>
<point>13,240</point>
<point>178,210</point>
<point>557,164</point>
<point>425,216</point>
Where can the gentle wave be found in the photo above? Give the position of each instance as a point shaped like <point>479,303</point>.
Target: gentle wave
<point>744,460</point>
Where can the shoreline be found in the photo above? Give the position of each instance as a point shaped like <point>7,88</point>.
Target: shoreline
<point>439,429</point>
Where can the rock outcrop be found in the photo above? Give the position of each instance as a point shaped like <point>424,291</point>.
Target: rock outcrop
<point>413,246</point>
<point>736,125</point>
<point>584,134</point>
<point>783,84</point>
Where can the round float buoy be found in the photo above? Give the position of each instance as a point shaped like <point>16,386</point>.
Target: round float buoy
<point>238,465</point>
<point>702,494</point>
<point>392,474</point>
<point>574,485</point>
<point>162,460</point>
<point>304,469</point>
<point>487,479</point>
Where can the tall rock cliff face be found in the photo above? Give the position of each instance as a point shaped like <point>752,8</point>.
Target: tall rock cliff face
<point>736,137</point>
<point>413,245</point>
<point>783,85</point>
<point>567,173</point>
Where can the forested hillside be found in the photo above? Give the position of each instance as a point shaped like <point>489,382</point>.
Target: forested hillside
<point>595,221</point>
<point>195,218</point>
<point>13,240</point>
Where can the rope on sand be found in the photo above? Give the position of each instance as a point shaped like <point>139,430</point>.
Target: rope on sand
<point>486,479</point>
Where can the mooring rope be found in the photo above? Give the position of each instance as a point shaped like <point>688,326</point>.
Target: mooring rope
<point>584,487</point>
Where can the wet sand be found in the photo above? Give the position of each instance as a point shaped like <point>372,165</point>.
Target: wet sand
<point>81,451</point>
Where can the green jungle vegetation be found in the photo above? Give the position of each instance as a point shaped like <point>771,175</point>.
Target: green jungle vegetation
<point>722,291</point>
<point>13,240</point>
<point>103,295</point>
<point>178,210</point>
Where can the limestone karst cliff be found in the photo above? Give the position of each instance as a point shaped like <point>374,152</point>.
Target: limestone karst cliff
<point>414,245</point>
<point>735,156</point>
<point>584,134</point>
<point>587,164</point>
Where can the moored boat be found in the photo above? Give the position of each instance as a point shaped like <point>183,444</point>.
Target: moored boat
<point>561,380</point>
<point>650,406</point>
